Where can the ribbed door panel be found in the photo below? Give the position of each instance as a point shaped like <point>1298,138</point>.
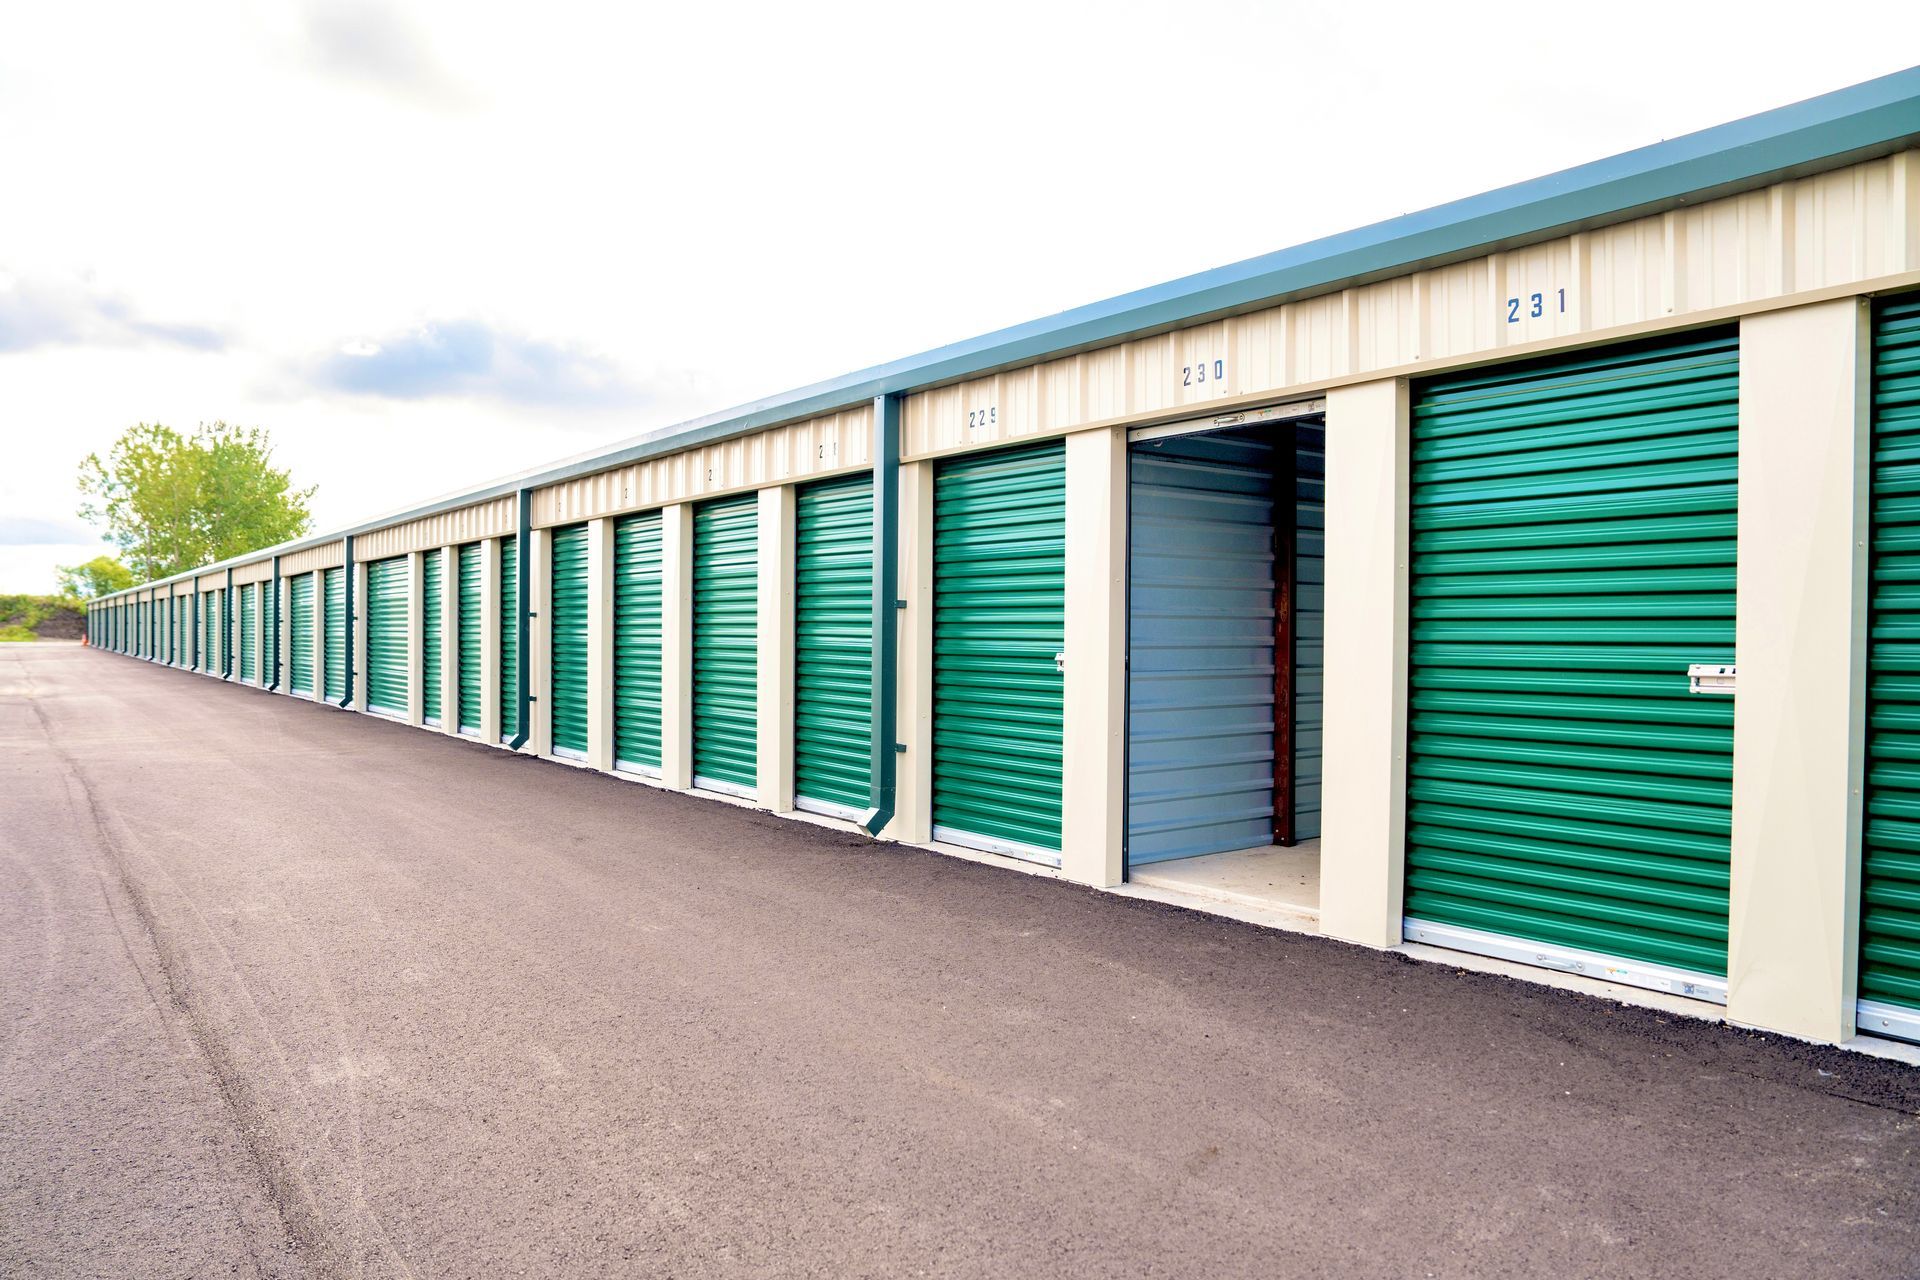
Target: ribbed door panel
<point>333,583</point>
<point>509,639</point>
<point>470,640</point>
<point>387,588</point>
<point>250,633</point>
<point>833,643</point>
<point>269,630</point>
<point>726,650</point>
<point>1573,551</point>
<point>637,570</point>
<point>570,638</point>
<point>182,630</point>
<point>300,635</point>
<point>1200,692</point>
<point>432,669</point>
<point>999,546</point>
<point>1309,621</point>
<point>1890,874</point>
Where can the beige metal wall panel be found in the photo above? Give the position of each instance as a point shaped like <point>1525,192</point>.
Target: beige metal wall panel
<point>258,571</point>
<point>1853,230</point>
<point>491,519</point>
<point>328,555</point>
<point>819,447</point>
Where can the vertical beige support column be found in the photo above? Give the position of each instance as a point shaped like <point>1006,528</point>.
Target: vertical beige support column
<point>600,643</point>
<point>490,728</point>
<point>1800,633</point>
<point>450,715</point>
<point>913,780</point>
<point>1092,812</point>
<point>416,633</point>
<point>357,633</point>
<point>676,645</point>
<point>773,766</point>
<point>535,559</point>
<point>1364,780</point>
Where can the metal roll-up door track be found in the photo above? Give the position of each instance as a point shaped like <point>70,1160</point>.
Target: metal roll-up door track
<point>726,651</point>
<point>999,634</point>
<point>1889,996</point>
<point>1573,527</point>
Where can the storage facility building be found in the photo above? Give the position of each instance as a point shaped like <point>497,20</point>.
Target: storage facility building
<point>1535,576</point>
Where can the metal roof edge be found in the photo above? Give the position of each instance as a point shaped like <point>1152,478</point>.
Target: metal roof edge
<point>1850,125</point>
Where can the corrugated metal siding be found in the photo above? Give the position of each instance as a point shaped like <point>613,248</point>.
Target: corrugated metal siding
<point>432,669</point>
<point>182,630</point>
<point>489,519</point>
<point>509,638</point>
<point>1573,551</point>
<point>637,579</point>
<point>300,635</point>
<point>250,634</point>
<point>833,643</point>
<point>387,588</point>
<point>1309,622</point>
<point>333,584</point>
<point>1200,692</point>
<point>726,649</point>
<point>1890,873</point>
<point>471,639</point>
<point>269,631</point>
<point>999,547</point>
<point>569,692</point>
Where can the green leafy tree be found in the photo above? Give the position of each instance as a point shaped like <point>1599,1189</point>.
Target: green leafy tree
<point>97,577</point>
<point>172,502</point>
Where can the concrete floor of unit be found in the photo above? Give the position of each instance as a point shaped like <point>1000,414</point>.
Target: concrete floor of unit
<point>1272,878</point>
<point>289,992</point>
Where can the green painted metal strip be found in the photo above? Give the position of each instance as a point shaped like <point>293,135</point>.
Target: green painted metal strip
<point>333,590</point>
<point>470,640</point>
<point>509,638</point>
<point>833,642</point>
<point>249,633</point>
<point>726,650</point>
<point>387,589</point>
<point>432,666</point>
<point>300,635</point>
<point>569,610</point>
<point>1573,551</point>
<point>999,545</point>
<point>1890,875</point>
<point>637,580</point>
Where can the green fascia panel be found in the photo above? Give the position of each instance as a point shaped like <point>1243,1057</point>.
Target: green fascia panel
<point>386,605</point>
<point>726,648</point>
<point>300,635</point>
<point>509,638</point>
<point>833,642</point>
<point>999,547</point>
<point>470,641</point>
<point>333,590</point>
<point>1890,868</point>
<point>637,576</point>
<point>1573,541</point>
<point>570,638</point>
<point>249,631</point>
<point>431,632</point>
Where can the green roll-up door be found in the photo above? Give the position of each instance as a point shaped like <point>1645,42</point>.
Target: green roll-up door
<point>833,646</point>
<point>431,632</point>
<point>726,651</point>
<point>210,632</point>
<point>269,630</point>
<point>636,641</point>
<point>387,588</point>
<point>999,626</point>
<point>570,640</point>
<point>1890,872</point>
<point>333,590</point>
<point>1573,527</point>
<point>249,633</point>
<point>470,640</point>
<point>300,635</point>
<point>509,639</point>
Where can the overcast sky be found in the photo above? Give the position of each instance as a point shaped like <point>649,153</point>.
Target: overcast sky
<point>429,244</point>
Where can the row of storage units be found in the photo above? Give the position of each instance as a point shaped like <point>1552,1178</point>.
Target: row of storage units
<point>1590,644</point>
